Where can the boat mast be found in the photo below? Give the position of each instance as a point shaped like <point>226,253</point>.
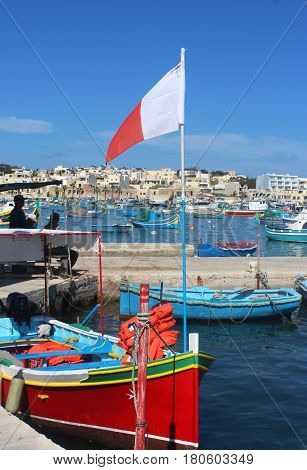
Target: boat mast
<point>183,199</point>
<point>100,283</point>
<point>258,254</point>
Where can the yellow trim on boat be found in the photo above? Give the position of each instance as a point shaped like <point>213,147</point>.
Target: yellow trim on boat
<point>95,384</point>
<point>30,340</point>
<point>150,364</point>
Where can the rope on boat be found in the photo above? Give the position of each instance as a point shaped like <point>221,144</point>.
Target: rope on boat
<point>144,320</point>
<point>274,307</point>
<point>160,337</point>
<point>134,364</point>
<point>263,277</point>
<point>238,322</point>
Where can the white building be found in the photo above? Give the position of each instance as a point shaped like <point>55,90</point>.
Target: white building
<point>275,182</point>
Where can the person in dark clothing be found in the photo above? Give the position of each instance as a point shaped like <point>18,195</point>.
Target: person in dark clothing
<point>53,223</point>
<point>61,252</point>
<point>18,218</point>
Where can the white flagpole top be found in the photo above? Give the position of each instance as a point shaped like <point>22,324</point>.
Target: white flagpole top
<point>181,98</point>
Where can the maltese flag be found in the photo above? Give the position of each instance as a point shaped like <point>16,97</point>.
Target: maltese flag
<point>160,111</point>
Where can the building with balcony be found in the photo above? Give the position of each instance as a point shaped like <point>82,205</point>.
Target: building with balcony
<point>275,182</point>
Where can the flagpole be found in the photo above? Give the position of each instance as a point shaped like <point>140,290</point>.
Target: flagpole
<point>183,207</point>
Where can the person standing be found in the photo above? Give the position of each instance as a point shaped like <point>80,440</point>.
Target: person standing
<point>68,256</point>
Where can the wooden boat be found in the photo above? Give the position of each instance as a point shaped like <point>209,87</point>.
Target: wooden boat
<point>242,212</point>
<point>206,304</point>
<point>301,286</point>
<point>91,398</point>
<point>226,249</point>
<point>89,213</point>
<point>254,207</point>
<point>273,216</point>
<point>74,380</point>
<point>118,228</point>
<point>157,221</point>
<point>296,232</point>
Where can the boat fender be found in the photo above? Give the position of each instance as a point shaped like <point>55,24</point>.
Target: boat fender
<point>15,393</point>
<point>44,330</point>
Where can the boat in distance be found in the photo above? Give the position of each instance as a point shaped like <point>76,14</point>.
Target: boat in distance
<point>254,207</point>
<point>226,249</point>
<point>207,304</point>
<point>116,228</point>
<point>171,222</point>
<point>296,232</point>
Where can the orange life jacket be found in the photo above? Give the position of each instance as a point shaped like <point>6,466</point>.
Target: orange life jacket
<point>52,361</point>
<point>161,317</point>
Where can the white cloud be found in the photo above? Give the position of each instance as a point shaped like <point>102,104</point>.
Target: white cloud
<point>234,145</point>
<point>16,125</point>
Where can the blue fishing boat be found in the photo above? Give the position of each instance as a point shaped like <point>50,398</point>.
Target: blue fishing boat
<point>156,220</point>
<point>226,249</point>
<point>301,286</point>
<point>205,304</point>
<point>296,232</point>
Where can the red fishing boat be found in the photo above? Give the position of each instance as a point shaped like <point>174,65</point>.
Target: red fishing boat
<point>79,382</point>
<point>254,207</point>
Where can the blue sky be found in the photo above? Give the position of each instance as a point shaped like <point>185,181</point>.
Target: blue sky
<point>106,55</point>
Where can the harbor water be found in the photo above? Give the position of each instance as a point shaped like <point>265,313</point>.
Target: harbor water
<point>227,229</point>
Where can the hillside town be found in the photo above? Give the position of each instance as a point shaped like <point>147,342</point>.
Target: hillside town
<point>160,185</point>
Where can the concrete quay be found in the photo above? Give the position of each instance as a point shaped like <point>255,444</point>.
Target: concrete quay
<point>62,292</point>
<point>141,249</point>
<point>15,434</point>
<point>217,273</point>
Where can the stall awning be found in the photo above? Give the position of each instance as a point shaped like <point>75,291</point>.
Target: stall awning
<point>34,185</point>
<point>19,245</point>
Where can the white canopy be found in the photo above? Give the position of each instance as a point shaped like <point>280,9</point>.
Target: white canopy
<point>19,245</point>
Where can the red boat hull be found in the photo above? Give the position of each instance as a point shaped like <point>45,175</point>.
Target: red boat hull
<point>242,213</point>
<point>105,413</point>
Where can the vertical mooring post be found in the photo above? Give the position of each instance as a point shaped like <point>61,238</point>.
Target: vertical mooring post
<point>100,284</point>
<point>258,255</point>
<point>143,329</point>
<point>46,289</point>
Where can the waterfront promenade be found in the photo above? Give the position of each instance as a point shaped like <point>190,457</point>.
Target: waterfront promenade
<point>153,263</point>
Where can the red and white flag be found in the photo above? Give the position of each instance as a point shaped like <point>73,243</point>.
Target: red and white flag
<point>160,111</point>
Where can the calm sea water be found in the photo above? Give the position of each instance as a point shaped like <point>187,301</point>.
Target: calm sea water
<point>228,229</point>
<point>253,396</point>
